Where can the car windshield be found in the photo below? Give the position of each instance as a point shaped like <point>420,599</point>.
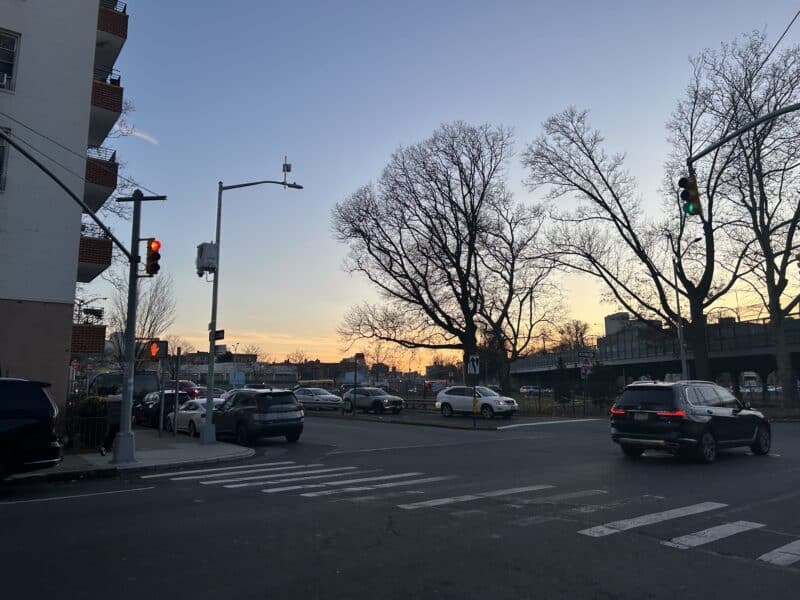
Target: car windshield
<point>647,398</point>
<point>484,391</point>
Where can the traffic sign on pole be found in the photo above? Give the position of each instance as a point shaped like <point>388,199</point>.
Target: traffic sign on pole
<point>474,365</point>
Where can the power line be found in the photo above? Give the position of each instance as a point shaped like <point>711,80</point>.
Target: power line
<point>71,151</point>
<point>785,31</point>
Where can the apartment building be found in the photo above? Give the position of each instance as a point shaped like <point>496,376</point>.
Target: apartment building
<point>60,97</point>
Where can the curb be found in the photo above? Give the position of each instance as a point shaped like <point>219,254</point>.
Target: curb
<point>374,419</point>
<point>108,472</point>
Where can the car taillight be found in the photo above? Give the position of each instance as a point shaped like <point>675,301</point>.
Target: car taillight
<point>678,414</point>
<point>617,411</point>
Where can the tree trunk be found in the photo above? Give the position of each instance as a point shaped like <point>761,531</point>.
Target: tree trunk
<point>697,343</point>
<point>783,359</point>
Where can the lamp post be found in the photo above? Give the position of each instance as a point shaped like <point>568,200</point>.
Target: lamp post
<point>208,434</point>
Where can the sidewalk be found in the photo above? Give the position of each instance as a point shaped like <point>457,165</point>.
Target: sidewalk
<point>152,453</point>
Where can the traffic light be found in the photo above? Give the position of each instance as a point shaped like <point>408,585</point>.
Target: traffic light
<point>690,195</point>
<point>153,256</point>
<point>157,349</point>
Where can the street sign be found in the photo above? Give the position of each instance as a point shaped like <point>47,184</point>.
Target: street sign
<point>474,365</point>
<point>219,334</point>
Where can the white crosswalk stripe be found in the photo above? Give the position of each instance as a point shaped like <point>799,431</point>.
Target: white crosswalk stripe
<point>287,468</point>
<point>275,475</point>
<point>380,486</point>
<point>306,478</point>
<point>215,469</point>
<point>712,534</point>
<point>783,556</point>
<point>626,524</point>
<point>469,497</point>
<point>342,482</point>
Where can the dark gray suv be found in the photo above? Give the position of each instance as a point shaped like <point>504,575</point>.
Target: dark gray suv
<point>691,418</point>
<point>250,414</point>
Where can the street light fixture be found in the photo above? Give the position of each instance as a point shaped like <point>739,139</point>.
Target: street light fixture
<point>208,434</point>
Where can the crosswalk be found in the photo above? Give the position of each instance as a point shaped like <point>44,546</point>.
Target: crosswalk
<point>428,491</point>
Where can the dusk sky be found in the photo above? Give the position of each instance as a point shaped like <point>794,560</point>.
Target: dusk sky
<point>224,90</point>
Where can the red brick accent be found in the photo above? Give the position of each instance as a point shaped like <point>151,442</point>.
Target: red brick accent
<point>88,339</point>
<point>113,22</point>
<point>101,172</point>
<point>105,95</point>
<point>95,251</point>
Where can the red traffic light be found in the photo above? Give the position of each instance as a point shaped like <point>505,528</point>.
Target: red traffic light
<point>154,348</point>
<point>155,245</point>
<point>153,256</point>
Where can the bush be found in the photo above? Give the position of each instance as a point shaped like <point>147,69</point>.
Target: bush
<point>91,406</point>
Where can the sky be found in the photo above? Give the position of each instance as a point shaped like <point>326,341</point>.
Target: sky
<point>223,91</point>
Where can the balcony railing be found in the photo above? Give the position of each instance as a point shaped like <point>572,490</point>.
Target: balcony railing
<point>106,154</point>
<point>120,7</point>
<point>106,75</point>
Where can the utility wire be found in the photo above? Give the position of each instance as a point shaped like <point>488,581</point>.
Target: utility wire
<point>70,150</point>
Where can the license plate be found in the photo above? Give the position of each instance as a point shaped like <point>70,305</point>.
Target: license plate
<point>640,416</point>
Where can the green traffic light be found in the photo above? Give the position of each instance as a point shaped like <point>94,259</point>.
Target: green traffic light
<point>690,208</point>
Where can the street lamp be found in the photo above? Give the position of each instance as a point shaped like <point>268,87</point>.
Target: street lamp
<point>208,434</point>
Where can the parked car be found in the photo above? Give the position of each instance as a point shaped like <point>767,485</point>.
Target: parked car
<point>146,412</point>
<point>249,414</point>
<point>529,390</point>
<point>28,439</point>
<point>191,416</point>
<point>691,418</point>
<point>458,399</point>
<point>110,384</point>
<point>202,392</point>
<point>184,385</point>
<point>317,398</point>
<point>371,398</point>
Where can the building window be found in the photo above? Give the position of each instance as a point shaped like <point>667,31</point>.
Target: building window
<point>3,160</point>
<point>9,48</point>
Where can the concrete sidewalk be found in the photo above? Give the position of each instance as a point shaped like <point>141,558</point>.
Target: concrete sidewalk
<point>153,452</point>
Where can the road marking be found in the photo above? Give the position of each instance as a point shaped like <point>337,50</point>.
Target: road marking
<point>561,497</point>
<point>535,520</point>
<point>141,489</point>
<point>443,445</point>
<point>468,497</point>
<point>276,475</point>
<point>783,556</point>
<point>367,488</point>
<point>173,473</point>
<point>516,425</point>
<point>309,478</point>
<point>712,534</point>
<point>675,513</point>
<point>343,482</point>
<point>246,472</point>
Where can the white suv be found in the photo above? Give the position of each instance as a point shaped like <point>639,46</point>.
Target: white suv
<point>458,399</point>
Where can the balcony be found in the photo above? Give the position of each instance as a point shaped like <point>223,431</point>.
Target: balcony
<point>101,176</point>
<point>88,339</point>
<point>112,31</point>
<point>94,253</point>
<point>106,104</point>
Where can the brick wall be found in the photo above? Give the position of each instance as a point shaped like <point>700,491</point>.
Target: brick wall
<point>113,22</point>
<point>101,172</point>
<point>88,339</point>
<point>95,251</point>
<point>105,95</point>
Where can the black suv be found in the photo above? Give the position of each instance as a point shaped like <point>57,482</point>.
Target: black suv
<point>28,439</point>
<point>691,418</point>
<point>250,414</point>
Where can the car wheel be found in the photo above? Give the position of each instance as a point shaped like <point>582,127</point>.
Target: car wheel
<point>377,408</point>
<point>763,441</point>
<point>192,429</point>
<point>447,410</point>
<point>242,436</point>
<point>487,412</point>
<point>293,437</point>
<point>631,451</point>
<point>707,448</point>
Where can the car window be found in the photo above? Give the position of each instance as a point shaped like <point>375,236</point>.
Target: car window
<point>694,397</point>
<point>265,401</point>
<point>647,398</point>
<point>190,406</point>
<point>486,392</point>
<point>23,396</point>
<point>710,396</point>
<point>728,400</point>
<point>246,401</point>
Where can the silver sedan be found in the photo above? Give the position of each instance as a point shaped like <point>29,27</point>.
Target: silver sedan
<point>317,398</point>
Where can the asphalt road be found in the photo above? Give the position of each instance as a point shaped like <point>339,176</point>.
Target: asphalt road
<point>373,510</point>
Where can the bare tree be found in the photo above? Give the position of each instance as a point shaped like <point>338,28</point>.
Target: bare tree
<point>443,242</point>
<point>762,179</point>
<point>608,236</point>
<point>257,350</point>
<point>155,313</point>
<point>573,334</point>
<point>297,357</point>
<point>176,341</point>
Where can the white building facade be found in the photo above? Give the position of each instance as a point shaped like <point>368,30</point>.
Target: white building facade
<point>59,99</point>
